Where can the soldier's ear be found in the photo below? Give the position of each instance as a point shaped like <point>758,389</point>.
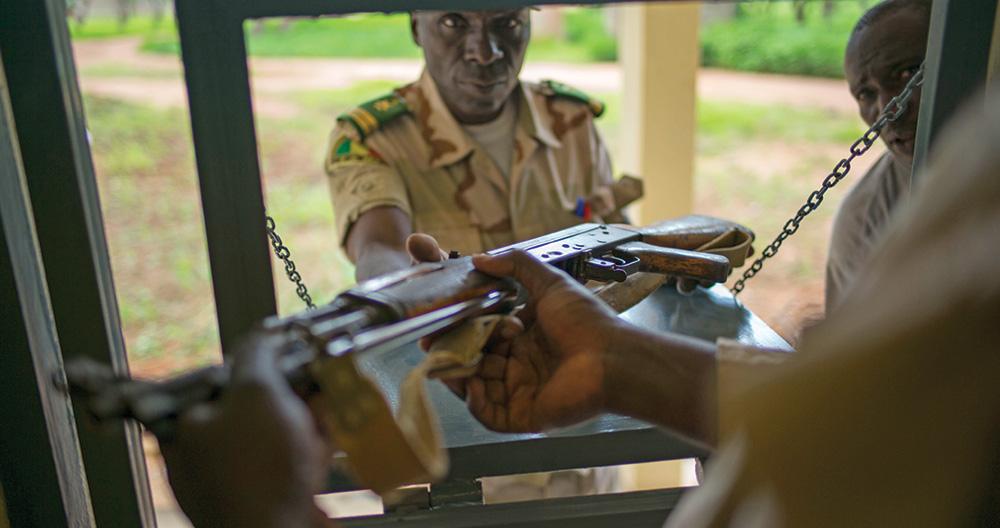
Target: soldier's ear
<point>413,28</point>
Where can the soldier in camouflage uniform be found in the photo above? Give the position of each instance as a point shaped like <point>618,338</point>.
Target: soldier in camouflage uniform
<point>469,153</point>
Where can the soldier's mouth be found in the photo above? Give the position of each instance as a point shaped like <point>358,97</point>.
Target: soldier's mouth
<point>483,86</point>
<point>907,145</point>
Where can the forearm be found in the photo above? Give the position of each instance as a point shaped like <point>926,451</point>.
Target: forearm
<point>378,259</point>
<point>666,379</point>
<point>376,243</point>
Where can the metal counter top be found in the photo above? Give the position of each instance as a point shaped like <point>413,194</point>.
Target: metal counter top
<point>607,440</point>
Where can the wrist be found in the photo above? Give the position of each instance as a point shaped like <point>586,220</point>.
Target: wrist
<point>614,376</point>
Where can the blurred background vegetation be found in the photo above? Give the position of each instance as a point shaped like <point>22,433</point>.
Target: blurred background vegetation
<point>755,162</point>
<point>791,37</point>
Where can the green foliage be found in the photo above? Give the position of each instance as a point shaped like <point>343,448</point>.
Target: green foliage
<point>765,37</point>
<point>370,35</point>
<point>587,28</point>
<point>587,37</point>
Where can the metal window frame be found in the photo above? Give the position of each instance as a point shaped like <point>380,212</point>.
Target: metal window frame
<point>63,192</point>
<point>959,43</point>
<point>48,123</point>
<point>213,49</point>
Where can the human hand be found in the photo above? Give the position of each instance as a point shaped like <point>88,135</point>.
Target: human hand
<point>546,368</point>
<point>424,248</point>
<point>255,457</point>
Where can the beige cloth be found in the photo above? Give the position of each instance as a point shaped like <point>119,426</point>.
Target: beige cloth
<point>889,414</point>
<point>861,221</point>
<point>427,166</point>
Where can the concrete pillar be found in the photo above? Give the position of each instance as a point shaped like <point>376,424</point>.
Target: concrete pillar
<point>659,53</point>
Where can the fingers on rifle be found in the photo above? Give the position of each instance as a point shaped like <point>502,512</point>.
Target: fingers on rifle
<point>492,367</point>
<point>256,358</point>
<point>319,408</point>
<point>479,406</point>
<point>459,387</point>
<point>506,329</point>
<point>686,286</point>
<point>524,268</point>
<point>424,248</point>
<point>190,426</point>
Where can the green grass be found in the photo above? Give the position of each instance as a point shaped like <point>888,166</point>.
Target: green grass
<point>117,69</point>
<point>334,102</point>
<point>108,27</point>
<point>725,121</point>
<point>765,37</point>
<point>586,37</point>
<point>365,36</point>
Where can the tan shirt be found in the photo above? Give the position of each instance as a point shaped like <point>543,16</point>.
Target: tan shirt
<point>889,414</point>
<point>861,221</point>
<point>427,166</point>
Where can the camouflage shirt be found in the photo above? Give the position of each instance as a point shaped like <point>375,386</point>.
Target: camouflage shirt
<point>408,151</point>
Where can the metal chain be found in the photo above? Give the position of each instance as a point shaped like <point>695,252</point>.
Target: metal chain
<point>892,112</point>
<point>285,255</point>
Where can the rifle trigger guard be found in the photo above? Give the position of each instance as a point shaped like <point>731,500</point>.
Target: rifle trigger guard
<point>611,268</point>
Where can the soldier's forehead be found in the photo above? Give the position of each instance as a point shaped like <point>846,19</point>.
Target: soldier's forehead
<point>473,12</point>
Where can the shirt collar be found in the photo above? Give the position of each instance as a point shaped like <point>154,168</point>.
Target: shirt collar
<point>537,123</point>
<point>449,143</point>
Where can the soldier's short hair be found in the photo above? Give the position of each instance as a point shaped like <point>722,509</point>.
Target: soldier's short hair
<point>888,7</point>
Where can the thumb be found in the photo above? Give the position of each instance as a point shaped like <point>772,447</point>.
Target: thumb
<point>423,248</point>
<point>535,276</point>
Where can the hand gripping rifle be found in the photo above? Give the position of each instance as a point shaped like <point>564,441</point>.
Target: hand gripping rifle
<point>389,311</point>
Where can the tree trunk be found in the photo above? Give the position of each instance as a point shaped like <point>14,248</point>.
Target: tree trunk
<point>124,8</point>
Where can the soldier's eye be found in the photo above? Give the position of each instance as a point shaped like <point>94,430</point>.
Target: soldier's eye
<point>908,73</point>
<point>451,21</point>
<point>510,23</point>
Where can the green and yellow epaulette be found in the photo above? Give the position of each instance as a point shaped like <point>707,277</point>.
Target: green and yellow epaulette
<point>559,89</point>
<point>367,118</point>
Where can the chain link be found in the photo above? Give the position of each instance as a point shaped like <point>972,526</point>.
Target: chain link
<point>286,256</point>
<point>892,111</point>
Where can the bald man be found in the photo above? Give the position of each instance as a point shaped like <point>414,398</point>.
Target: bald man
<point>885,50</point>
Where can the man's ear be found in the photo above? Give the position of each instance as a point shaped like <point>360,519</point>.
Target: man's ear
<point>413,28</point>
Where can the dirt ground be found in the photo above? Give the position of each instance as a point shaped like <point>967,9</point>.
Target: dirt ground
<point>160,82</point>
<point>784,303</point>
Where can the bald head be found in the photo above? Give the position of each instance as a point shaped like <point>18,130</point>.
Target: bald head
<point>884,52</point>
<point>889,7</point>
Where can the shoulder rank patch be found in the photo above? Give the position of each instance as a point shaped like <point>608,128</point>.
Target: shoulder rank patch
<point>368,117</point>
<point>347,149</point>
<point>555,88</point>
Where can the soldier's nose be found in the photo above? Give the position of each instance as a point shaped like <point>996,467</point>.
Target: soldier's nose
<point>481,47</point>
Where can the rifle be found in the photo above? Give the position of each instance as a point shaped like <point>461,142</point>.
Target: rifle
<point>386,312</point>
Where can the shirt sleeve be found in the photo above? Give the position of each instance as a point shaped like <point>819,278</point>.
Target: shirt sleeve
<point>360,180</point>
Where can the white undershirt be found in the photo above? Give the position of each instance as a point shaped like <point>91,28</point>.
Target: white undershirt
<point>497,137</point>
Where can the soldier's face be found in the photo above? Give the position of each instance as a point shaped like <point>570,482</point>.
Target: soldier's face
<point>879,62</point>
<point>474,57</point>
